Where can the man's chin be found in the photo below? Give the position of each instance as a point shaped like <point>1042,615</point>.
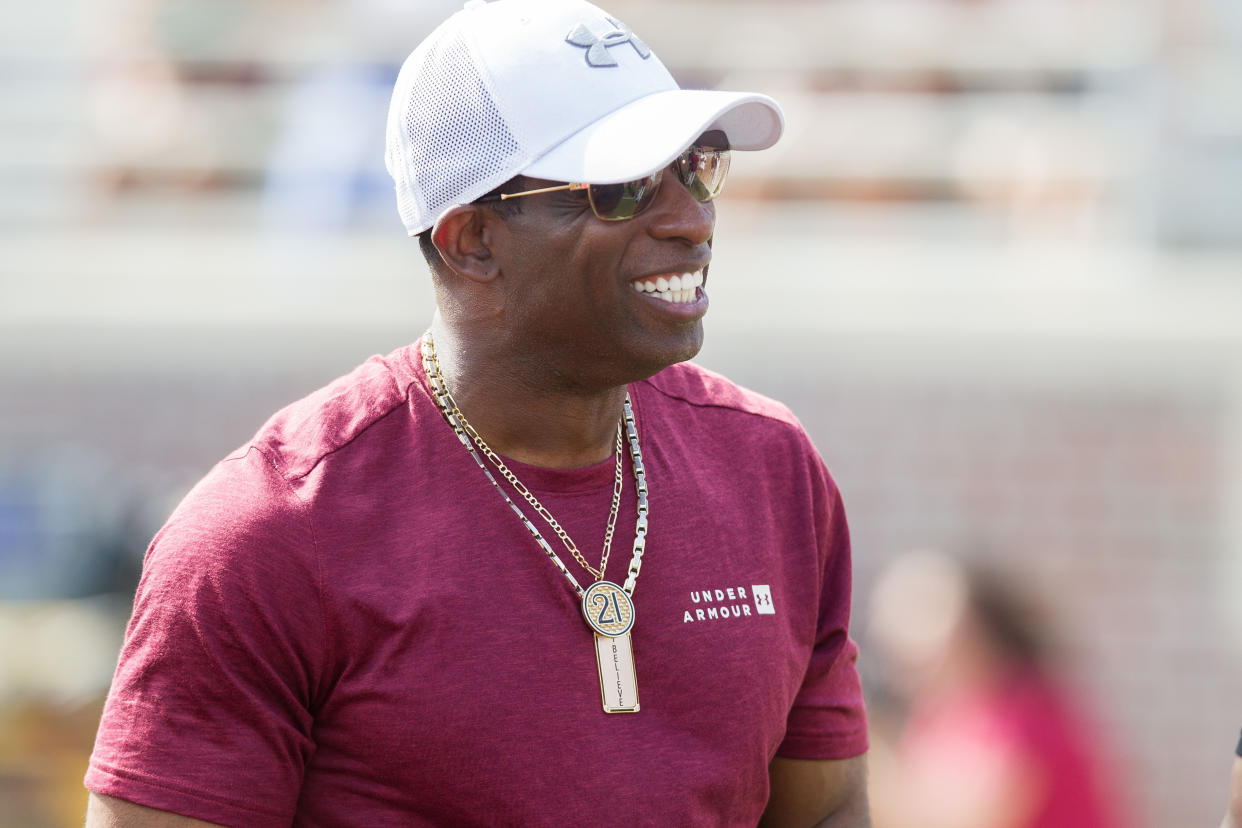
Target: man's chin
<point>682,349</point>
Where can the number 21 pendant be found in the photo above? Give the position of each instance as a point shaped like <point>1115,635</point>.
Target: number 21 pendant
<point>610,613</point>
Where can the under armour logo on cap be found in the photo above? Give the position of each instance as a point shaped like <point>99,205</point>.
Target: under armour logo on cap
<point>597,45</point>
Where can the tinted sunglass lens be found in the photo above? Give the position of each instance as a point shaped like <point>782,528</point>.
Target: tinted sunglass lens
<point>613,202</point>
<point>703,172</point>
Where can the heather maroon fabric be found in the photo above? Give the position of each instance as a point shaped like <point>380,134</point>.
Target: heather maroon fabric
<point>344,624</point>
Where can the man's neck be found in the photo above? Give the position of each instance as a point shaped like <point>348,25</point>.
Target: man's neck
<point>529,415</point>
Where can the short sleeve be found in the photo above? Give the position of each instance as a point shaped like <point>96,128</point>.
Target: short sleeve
<point>210,710</point>
<point>828,717</point>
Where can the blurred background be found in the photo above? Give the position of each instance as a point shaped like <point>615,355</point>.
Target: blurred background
<point>995,266</point>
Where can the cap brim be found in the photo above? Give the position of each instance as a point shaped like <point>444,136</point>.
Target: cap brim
<point>647,134</point>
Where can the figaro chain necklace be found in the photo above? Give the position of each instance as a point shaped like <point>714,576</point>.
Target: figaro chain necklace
<point>607,608</point>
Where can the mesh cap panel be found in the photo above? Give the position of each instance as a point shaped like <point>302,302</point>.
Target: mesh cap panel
<point>451,144</point>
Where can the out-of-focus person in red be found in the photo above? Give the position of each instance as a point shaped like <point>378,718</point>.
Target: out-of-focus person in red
<point>1233,813</point>
<point>989,738</point>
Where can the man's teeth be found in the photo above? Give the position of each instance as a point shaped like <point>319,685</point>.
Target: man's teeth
<point>672,288</point>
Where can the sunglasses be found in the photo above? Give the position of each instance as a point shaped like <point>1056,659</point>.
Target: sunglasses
<point>700,169</point>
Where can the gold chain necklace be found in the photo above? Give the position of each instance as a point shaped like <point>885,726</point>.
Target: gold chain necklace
<point>618,478</point>
<point>607,607</point>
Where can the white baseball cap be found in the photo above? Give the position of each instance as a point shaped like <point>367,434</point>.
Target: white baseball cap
<point>554,89</point>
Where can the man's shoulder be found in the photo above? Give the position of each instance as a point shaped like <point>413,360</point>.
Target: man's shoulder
<point>297,437</point>
<point>257,491</point>
<point>700,387</point>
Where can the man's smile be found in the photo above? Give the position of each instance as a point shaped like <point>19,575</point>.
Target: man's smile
<point>676,288</point>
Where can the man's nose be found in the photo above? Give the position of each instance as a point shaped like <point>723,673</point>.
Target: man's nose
<point>676,213</point>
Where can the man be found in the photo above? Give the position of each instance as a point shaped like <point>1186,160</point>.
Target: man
<point>1233,811</point>
<point>388,608</point>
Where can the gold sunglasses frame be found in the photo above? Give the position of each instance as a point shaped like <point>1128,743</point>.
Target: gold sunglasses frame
<point>576,186</point>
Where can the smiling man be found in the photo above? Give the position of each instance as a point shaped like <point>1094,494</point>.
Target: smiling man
<point>413,598</point>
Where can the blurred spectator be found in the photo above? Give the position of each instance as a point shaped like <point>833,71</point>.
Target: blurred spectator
<point>326,165</point>
<point>144,126</point>
<point>989,738</point>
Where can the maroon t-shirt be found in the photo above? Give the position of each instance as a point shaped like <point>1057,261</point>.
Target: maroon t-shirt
<point>345,624</point>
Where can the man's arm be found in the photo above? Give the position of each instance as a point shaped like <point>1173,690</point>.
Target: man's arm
<point>830,793</point>
<point>1233,817</point>
<point>110,812</point>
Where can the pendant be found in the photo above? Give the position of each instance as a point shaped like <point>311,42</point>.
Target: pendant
<point>618,683</point>
<point>610,613</point>
<point>607,609</point>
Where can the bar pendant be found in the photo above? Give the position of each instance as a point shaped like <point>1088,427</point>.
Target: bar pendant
<point>618,683</point>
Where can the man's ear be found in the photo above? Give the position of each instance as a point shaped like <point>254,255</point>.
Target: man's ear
<point>463,238</point>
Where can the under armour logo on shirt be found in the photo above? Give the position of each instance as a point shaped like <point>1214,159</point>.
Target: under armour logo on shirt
<point>597,45</point>
<point>763,599</point>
